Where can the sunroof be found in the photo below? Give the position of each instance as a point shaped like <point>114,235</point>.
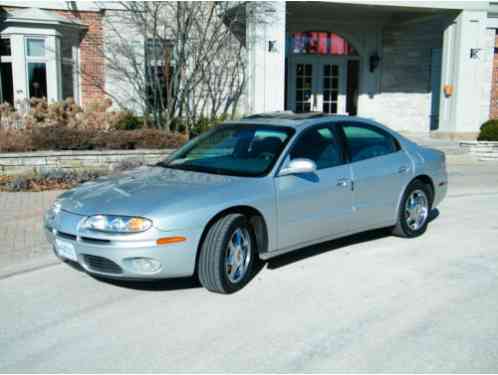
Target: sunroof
<point>287,115</point>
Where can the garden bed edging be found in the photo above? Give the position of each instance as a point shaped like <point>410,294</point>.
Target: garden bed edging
<point>15,163</point>
<point>481,150</point>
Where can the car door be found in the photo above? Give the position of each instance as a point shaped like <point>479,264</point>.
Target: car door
<point>380,171</point>
<point>318,205</point>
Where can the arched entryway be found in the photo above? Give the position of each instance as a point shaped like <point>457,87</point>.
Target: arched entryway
<point>322,73</point>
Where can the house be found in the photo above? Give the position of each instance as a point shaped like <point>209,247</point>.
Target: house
<point>417,66</point>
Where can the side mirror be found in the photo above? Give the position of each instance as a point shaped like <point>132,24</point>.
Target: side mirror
<point>298,166</point>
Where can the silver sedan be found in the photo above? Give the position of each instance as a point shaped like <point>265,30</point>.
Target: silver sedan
<point>244,191</point>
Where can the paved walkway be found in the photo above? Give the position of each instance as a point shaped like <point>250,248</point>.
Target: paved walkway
<point>21,233</point>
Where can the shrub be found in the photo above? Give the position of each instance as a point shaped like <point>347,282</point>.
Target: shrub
<point>63,138</point>
<point>66,126</point>
<point>203,124</point>
<point>489,131</point>
<point>128,121</point>
<point>54,179</point>
<point>144,138</point>
<point>15,140</point>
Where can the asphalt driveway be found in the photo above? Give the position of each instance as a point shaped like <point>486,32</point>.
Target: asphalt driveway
<point>370,302</point>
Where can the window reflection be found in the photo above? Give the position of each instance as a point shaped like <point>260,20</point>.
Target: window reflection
<point>37,75</point>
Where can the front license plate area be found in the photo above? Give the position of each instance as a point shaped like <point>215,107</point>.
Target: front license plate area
<point>65,250</point>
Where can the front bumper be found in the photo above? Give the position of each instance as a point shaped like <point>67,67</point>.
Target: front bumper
<point>111,256</point>
<point>441,187</point>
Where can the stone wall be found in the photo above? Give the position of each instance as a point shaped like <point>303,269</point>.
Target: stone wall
<point>25,162</point>
<point>405,93</point>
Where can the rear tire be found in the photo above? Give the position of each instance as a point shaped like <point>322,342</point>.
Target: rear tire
<point>227,255</point>
<point>413,215</point>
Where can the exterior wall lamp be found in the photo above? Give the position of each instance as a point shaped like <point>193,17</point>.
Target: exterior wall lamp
<point>374,61</point>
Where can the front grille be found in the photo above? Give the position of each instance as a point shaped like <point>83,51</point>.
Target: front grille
<point>100,264</point>
<point>67,236</point>
<point>96,241</point>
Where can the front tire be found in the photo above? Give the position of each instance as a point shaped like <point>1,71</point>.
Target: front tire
<point>414,210</point>
<point>227,255</point>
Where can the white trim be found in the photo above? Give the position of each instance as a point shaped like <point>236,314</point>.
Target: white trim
<point>317,62</point>
<point>35,60</point>
<point>76,75</point>
<point>88,6</point>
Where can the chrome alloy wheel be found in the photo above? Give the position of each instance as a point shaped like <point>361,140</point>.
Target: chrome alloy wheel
<point>238,255</point>
<point>416,210</point>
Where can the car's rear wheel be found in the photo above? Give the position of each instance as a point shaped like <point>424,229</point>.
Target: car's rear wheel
<point>414,210</point>
<point>227,255</point>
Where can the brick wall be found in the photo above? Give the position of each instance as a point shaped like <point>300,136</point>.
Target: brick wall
<point>91,54</point>
<point>493,108</point>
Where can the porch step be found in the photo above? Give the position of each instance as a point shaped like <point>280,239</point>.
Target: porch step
<point>485,151</point>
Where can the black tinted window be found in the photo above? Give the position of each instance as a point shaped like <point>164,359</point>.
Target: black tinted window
<point>367,142</point>
<point>320,145</point>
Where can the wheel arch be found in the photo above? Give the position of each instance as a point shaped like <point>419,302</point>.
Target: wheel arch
<point>426,180</point>
<point>255,218</point>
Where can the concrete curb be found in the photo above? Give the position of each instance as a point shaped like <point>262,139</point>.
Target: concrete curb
<point>481,150</point>
<point>29,266</point>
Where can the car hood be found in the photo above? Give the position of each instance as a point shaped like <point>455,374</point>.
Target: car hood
<point>141,191</point>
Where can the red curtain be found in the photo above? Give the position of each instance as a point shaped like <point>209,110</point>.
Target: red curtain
<point>321,43</point>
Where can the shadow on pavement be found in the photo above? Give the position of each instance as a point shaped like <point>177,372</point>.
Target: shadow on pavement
<point>155,285</point>
<point>324,247</point>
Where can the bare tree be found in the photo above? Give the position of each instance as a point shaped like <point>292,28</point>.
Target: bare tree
<point>192,61</point>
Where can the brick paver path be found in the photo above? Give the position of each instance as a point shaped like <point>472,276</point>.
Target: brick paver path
<point>21,226</point>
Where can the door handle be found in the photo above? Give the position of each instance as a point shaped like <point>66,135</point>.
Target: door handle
<point>343,182</point>
<point>403,169</point>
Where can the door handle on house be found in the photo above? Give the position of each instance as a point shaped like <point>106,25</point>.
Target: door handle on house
<point>403,169</point>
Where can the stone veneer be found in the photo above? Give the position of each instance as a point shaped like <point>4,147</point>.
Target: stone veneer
<point>405,78</point>
<point>25,162</point>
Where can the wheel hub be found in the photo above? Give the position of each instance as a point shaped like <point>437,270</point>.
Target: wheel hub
<point>238,255</point>
<point>416,209</point>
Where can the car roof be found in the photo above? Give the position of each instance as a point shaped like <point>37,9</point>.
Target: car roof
<point>294,120</point>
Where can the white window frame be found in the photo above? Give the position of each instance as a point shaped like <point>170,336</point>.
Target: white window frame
<point>36,59</point>
<point>6,59</point>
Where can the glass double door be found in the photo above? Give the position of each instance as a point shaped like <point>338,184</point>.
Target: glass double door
<point>317,84</point>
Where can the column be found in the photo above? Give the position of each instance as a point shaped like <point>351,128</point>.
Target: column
<point>266,41</point>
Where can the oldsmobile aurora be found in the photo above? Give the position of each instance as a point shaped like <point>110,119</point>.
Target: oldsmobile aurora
<point>255,188</point>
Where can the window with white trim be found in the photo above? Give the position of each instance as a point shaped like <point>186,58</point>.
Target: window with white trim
<point>36,67</point>
<point>6,79</point>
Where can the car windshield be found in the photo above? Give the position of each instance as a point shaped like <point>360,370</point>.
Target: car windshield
<point>236,150</point>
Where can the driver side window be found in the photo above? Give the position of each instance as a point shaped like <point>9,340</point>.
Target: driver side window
<point>319,144</point>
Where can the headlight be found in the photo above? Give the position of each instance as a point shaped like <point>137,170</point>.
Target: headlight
<point>117,224</point>
<point>53,211</point>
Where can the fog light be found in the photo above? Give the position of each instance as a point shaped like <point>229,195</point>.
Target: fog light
<point>143,265</point>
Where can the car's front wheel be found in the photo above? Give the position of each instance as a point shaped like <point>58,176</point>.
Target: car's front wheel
<point>227,255</point>
<point>414,210</point>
